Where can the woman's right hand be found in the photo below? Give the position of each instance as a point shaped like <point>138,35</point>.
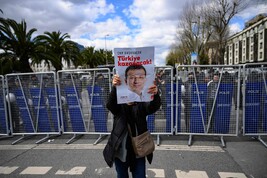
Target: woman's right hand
<point>116,81</point>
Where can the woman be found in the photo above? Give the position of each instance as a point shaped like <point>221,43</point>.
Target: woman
<point>119,147</point>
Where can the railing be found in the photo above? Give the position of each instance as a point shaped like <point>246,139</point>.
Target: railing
<point>193,103</point>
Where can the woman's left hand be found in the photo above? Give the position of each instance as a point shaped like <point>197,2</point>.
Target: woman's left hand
<point>153,89</point>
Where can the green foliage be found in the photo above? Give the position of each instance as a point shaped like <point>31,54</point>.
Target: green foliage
<point>178,55</point>
<point>58,48</point>
<point>20,50</point>
<point>17,43</point>
<point>204,59</point>
<point>91,57</point>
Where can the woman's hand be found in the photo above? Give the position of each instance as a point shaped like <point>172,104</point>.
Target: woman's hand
<point>116,81</point>
<point>153,89</point>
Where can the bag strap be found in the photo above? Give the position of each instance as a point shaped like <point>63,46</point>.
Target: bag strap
<point>130,131</point>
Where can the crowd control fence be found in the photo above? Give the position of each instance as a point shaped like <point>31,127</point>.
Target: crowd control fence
<point>205,100</point>
<point>33,104</point>
<point>162,122</point>
<point>255,100</point>
<point>83,94</point>
<point>208,100</point>
<point>4,127</point>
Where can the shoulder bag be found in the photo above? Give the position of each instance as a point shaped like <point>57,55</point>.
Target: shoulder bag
<point>143,144</point>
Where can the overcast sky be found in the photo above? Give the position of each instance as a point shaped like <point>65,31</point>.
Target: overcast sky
<point>128,23</point>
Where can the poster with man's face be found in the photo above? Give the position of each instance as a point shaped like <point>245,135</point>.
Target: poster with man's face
<point>135,66</point>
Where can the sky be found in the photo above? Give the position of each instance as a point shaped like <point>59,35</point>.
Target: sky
<point>110,24</point>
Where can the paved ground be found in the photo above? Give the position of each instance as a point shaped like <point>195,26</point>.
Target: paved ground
<point>242,157</point>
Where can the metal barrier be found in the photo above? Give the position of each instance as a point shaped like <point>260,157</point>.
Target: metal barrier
<point>255,100</point>
<point>4,128</point>
<point>196,100</point>
<point>83,94</point>
<point>162,122</point>
<point>33,104</point>
<point>209,100</point>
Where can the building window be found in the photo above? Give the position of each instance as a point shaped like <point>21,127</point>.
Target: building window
<point>261,35</point>
<point>260,45</point>
<point>260,55</point>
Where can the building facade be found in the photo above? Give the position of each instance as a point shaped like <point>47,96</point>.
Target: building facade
<point>249,45</point>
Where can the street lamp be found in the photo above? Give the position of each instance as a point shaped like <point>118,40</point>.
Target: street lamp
<point>106,48</point>
<point>195,32</point>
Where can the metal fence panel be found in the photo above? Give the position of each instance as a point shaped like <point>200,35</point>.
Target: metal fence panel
<point>255,99</point>
<point>209,100</point>
<point>161,122</point>
<point>33,103</point>
<point>4,128</point>
<point>196,100</point>
<point>83,96</point>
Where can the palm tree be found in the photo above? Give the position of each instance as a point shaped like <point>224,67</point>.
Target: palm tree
<point>58,49</point>
<point>17,44</point>
<point>110,57</point>
<point>92,58</point>
<point>88,57</point>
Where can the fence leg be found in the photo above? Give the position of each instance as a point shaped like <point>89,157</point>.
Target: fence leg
<point>190,140</point>
<point>222,141</point>
<point>43,139</point>
<point>75,136</point>
<point>21,138</point>
<point>100,138</point>
<point>46,138</point>
<point>158,140</point>
<point>5,136</point>
<point>259,138</point>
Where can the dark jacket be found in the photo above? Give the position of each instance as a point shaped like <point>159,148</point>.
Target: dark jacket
<point>134,115</point>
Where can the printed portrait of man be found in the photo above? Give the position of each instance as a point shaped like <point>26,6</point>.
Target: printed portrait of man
<point>135,78</point>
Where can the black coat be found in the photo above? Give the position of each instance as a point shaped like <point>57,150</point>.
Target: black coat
<point>134,115</point>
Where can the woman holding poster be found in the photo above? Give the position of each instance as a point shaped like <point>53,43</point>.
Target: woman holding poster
<point>133,97</point>
<point>127,116</point>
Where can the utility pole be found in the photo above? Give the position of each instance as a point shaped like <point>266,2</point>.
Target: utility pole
<point>106,48</point>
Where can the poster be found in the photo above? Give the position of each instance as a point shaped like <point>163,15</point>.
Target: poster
<point>135,67</point>
<point>193,58</point>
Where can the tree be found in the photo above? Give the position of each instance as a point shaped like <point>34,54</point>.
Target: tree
<point>193,32</point>
<point>179,54</point>
<point>17,44</point>
<point>57,49</point>
<point>110,57</point>
<point>92,58</point>
<point>218,14</point>
<point>202,23</point>
<point>89,58</point>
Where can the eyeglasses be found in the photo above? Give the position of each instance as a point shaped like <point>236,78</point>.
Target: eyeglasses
<point>134,77</point>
